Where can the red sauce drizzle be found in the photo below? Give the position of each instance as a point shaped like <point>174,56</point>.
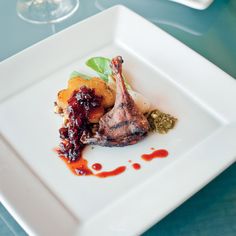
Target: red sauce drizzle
<point>79,167</point>
<point>97,166</point>
<point>114,172</point>
<point>136,166</point>
<point>56,150</point>
<point>161,153</point>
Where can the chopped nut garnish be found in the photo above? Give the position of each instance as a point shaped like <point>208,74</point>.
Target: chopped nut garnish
<point>57,109</point>
<point>160,122</point>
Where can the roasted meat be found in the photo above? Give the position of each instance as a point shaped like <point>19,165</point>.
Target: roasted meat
<point>124,124</point>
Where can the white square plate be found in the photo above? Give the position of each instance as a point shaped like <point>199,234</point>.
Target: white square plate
<point>36,186</point>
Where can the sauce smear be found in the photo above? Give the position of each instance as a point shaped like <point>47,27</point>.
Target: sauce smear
<point>79,167</point>
<point>97,166</point>
<point>136,166</point>
<point>56,150</point>
<point>114,172</point>
<point>161,153</point>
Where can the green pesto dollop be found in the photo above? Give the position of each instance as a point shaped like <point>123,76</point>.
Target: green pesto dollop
<point>160,122</point>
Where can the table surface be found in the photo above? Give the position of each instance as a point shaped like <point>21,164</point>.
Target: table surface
<point>212,33</point>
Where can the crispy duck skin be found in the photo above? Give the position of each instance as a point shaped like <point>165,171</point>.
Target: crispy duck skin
<point>124,124</point>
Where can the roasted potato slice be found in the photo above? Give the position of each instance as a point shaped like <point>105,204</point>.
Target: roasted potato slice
<point>96,114</point>
<point>99,85</point>
<point>62,98</point>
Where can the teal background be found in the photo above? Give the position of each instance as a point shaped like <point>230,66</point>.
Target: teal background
<point>212,33</point>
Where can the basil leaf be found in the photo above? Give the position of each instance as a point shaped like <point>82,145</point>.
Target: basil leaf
<point>101,65</point>
<point>78,74</point>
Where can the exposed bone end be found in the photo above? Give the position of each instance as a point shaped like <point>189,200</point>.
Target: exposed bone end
<point>116,65</point>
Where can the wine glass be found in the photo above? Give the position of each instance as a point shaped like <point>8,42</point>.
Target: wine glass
<point>46,11</point>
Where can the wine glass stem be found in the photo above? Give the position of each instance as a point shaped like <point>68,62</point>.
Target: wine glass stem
<point>53,28</point>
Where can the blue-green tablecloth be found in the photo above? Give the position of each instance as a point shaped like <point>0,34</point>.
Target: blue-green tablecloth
<point>212,33</point>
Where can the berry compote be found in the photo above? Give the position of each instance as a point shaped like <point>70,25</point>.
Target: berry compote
<point>80,105</point>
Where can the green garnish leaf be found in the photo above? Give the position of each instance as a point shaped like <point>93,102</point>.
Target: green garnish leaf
<point>101,65</point>
<point>78,74</point>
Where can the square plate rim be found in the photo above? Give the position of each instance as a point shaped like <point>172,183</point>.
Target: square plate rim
<point>231,160</point>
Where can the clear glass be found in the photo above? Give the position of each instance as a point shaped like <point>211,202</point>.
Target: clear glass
<point>46,11</point>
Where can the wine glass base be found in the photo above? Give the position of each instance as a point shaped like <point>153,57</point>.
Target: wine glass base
<point>46,12</point>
